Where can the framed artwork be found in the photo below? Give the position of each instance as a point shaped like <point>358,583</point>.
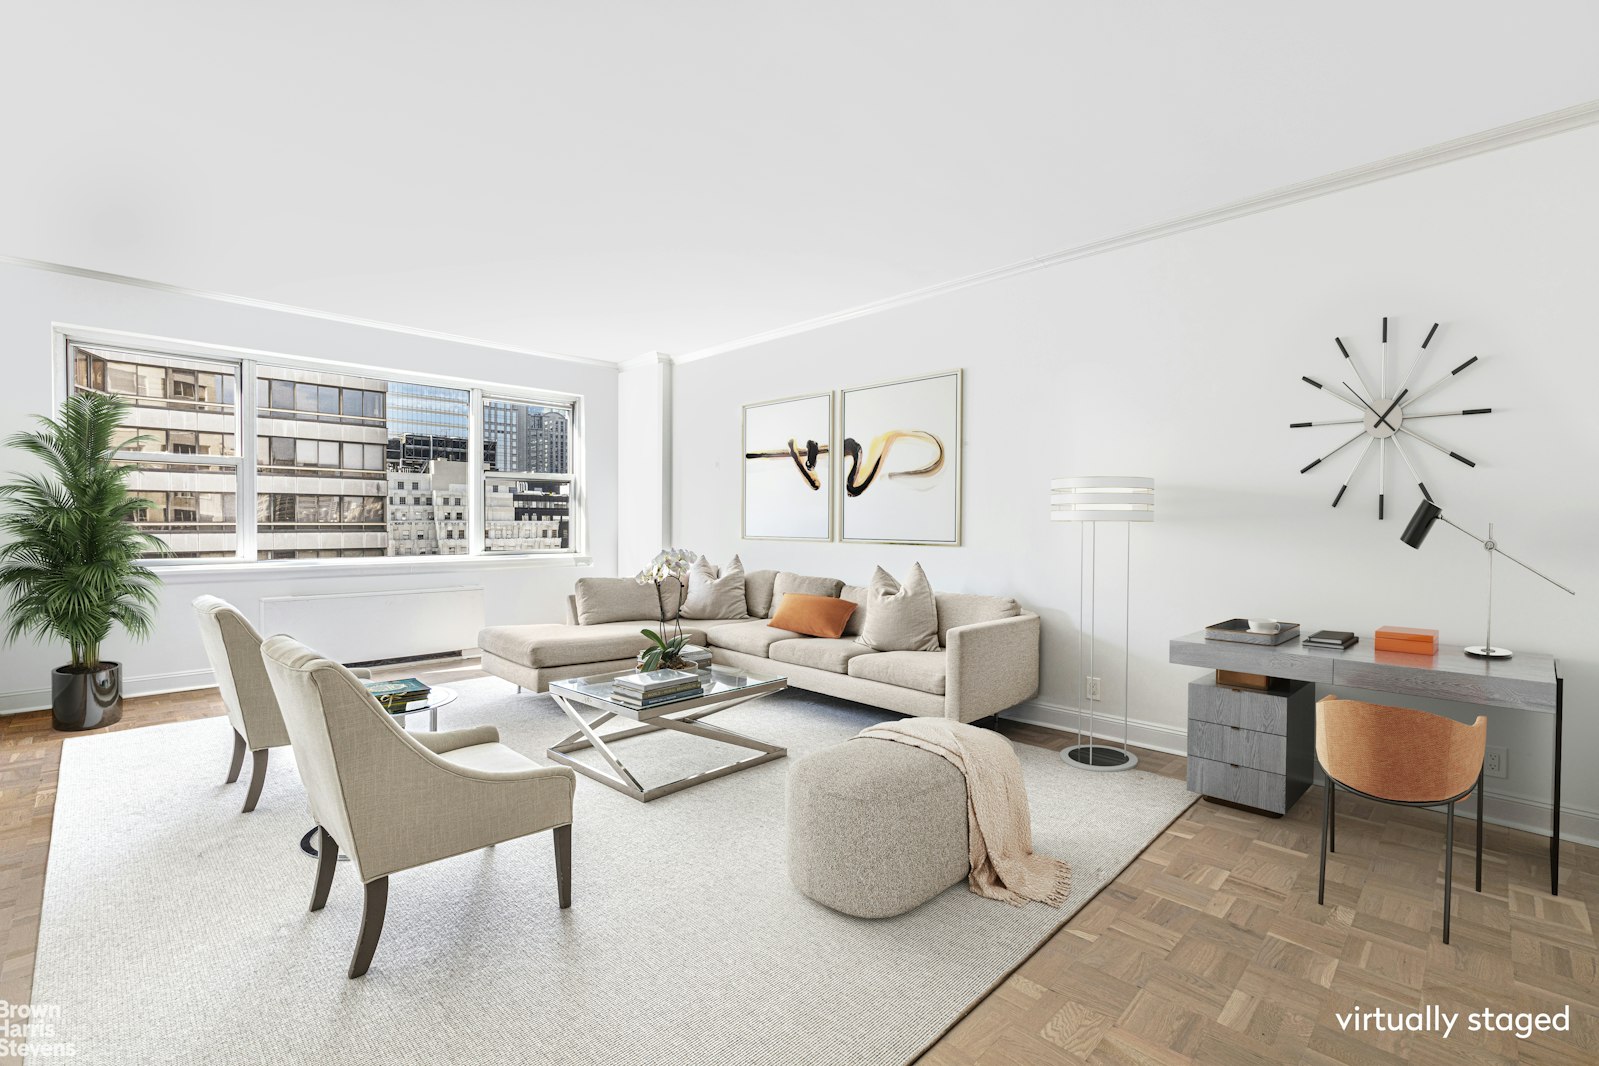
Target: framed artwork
<point>900,478</point>
<point>788,469</point>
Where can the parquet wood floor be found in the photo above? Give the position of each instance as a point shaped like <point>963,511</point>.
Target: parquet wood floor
<point>1209,948</point>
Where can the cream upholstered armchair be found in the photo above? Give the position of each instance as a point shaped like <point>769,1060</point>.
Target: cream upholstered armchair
<point>234,649</point>
<point>394,800</point>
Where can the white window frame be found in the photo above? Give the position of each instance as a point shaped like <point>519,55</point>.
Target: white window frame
<point>245,363</point>
<point>495,394</point>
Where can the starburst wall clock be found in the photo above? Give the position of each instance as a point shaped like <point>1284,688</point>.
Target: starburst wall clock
<point>1387,417</point>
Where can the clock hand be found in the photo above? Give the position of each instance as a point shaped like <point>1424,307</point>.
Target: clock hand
<point>1380,419</point>
<point>1383,418</point>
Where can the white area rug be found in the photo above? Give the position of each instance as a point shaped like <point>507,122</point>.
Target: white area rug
<point>175,929</point>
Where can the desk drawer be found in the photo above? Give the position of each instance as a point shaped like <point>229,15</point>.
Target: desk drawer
<point>1264,712</point>
<point>1239,784</point>
<point>1230,744</point>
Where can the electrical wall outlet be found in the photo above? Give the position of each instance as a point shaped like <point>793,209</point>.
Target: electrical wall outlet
<point>1496,763</point>
<point>1093,689</point>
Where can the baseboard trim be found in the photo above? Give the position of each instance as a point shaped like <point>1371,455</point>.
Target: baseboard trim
<point>24,701</point>
<point>1578,825</point>
<point>1140,733</point>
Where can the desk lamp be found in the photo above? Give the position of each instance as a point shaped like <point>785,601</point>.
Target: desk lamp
<point>1421,524</point>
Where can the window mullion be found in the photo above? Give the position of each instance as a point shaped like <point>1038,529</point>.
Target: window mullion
<point>475,513</point>
<point>244,506</point>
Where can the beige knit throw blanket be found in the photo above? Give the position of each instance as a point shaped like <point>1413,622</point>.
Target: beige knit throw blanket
<point>1000,839</point>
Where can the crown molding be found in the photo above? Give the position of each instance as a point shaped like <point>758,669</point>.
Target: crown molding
<point>290,309</point>
<point>1571,118</point>
<point>646,359</point>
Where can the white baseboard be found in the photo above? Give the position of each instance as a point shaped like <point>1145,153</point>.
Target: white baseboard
<point>1577,824</point>
<point>1140,733</point>
<point>21,701</point>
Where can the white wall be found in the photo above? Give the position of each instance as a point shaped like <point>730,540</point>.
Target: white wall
<point>32,301</point>
<point>1180,359</point>
<point>643,476</point>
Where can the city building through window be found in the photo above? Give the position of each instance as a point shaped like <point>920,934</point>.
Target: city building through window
<point>344,465</point>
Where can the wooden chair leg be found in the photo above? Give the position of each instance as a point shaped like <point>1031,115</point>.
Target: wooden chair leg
<point>257,778</point>
<point>238,757</point>
<point>1449,867</point>
<point>372,911</point>
<point>1326,824</point>
<point>327,861</point>
<point>563,864</point>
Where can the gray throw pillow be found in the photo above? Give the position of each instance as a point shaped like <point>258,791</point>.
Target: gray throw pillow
<point>900,617</point>
<point>759,587</point>
<point>621,599</point>
<point>714,593</point>
<point>805,586</point>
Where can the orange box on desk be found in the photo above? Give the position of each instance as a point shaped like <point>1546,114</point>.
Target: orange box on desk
<point>1405,639</point>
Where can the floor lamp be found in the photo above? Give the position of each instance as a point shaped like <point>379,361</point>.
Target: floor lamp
<point>1094,500</point>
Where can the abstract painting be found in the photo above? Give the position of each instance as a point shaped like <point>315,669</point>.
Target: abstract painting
<point>788,469</point>
<point>901,476</point>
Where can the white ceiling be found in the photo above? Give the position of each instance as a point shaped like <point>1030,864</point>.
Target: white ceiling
<point>603,179</point>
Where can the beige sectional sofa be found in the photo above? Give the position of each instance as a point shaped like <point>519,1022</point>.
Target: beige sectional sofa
<point>987,662</point>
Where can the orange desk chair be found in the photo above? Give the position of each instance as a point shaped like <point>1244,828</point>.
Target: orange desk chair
<point>1400,756</point>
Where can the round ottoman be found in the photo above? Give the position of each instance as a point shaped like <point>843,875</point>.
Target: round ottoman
<point>875,828</point>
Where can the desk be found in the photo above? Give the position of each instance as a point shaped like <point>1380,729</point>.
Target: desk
<point>1529,681</point>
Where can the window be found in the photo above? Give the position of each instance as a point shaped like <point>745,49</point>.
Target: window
<point>180,438</point>
<point>527,476</point>
<point>344,465</point>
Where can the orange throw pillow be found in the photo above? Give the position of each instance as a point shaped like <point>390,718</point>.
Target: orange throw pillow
<point>815,616</point>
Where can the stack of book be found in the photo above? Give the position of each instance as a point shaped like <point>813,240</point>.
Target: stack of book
<point>1331,638</point>
<point>698,657</point>
<point>654,687</point>
<point>396,696</point>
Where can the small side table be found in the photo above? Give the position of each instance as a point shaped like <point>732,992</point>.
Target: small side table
<point>437,697</point>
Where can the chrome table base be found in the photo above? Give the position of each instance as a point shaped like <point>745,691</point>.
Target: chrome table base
<point>623,779</point>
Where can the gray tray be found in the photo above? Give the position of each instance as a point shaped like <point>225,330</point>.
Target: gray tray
<point>1237,629</point>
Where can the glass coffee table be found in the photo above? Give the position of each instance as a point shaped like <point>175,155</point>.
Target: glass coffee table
<point>723,687</point>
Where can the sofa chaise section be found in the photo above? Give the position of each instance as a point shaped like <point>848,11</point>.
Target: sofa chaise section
<point>988,660</point>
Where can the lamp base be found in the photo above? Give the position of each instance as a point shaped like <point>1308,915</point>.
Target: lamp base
<point>1099,757</point>
<point>1482,651</point>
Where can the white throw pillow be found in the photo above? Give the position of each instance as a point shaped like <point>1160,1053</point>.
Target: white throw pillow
<point>855,594</point>
<point>714,593</point>
<point>900,617</point>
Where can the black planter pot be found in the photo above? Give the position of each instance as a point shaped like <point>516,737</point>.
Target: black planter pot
<point>86,699</point>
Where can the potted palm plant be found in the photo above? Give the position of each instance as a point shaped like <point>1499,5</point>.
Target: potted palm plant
<point>70,564</point>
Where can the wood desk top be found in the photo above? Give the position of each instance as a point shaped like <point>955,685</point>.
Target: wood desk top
<point>1527,680</point>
